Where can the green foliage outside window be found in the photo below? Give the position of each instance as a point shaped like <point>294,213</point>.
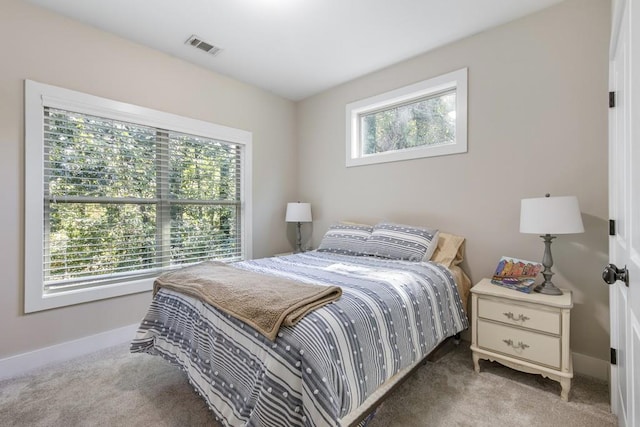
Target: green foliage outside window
<point>424,122</point>
<point>125,198</point>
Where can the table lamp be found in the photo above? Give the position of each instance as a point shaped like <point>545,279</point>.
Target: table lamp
<point>298,212</point>
<point>548,216</point>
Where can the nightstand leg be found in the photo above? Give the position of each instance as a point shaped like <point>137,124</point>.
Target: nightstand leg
<point>476,364</point>
<point>566,387</point>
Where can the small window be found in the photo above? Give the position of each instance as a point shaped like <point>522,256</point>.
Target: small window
<point>116,194</point>
<point>425,119</point>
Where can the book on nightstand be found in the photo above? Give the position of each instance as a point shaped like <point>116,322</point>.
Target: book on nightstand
<point>516,274</point>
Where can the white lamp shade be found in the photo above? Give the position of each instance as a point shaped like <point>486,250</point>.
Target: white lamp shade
<point>298,212</point>
<point>551,215</point>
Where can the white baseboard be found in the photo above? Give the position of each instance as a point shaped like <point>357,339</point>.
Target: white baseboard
<point>591,366</point>
<point>21,363</point>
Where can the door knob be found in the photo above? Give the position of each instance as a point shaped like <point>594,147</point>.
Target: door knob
<point>612,273</point>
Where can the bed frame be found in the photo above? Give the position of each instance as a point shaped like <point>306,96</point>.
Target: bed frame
<point>359,415</point>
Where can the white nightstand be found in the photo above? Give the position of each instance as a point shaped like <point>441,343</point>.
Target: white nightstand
<point>283,254</point>
<point>527,332</point>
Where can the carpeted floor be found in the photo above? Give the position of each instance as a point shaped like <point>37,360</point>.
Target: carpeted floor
<point>115,388</point>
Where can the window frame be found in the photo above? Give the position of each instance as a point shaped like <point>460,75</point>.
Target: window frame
<point>456,80</point>
<point>38,96</point>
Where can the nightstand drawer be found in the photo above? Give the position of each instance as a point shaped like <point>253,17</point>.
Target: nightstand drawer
<point>513,314</point>
<point>530,346</point>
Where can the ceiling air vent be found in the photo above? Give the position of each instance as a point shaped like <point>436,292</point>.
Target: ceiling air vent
<point>196,41</point>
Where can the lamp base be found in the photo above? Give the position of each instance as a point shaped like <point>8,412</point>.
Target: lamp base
<point>298,239</point>
<point>547,288</point>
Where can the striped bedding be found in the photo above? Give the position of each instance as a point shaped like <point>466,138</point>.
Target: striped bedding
<point>391,314</point>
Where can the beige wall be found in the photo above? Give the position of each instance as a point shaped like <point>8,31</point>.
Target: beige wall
<point>42,46</point>
<point>537,124</point>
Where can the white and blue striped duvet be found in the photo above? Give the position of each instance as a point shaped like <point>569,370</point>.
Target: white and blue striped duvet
<point>391,314</point>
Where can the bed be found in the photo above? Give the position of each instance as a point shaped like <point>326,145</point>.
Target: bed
<point>333,365</point>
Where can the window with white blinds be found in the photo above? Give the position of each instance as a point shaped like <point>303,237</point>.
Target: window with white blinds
<point>127,196</point>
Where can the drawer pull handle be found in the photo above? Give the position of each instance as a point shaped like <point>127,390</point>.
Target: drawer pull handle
<point>520,346</point>
<point>520,318</point>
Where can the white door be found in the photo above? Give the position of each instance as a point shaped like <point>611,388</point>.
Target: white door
<point>624,208</point>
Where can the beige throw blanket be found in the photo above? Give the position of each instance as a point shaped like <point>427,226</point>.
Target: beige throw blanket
<point>263,301</point>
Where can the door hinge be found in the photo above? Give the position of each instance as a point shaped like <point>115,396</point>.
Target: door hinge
<point>612,227</point>
<point>614,356</point>
<point>612,99</point>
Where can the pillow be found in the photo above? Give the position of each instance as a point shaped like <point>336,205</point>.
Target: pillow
<point>399,241</point>
<point>432,247</point>
<point>345,239</point>
<point>449,251</point>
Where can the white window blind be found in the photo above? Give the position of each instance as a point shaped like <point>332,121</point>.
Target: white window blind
<point>124,200</point>
<point>115,194</point>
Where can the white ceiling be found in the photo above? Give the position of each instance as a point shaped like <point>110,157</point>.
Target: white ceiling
<point>295,48</point>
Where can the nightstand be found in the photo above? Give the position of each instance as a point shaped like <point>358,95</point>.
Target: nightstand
<point>527,332</point>
<point>283,254</point>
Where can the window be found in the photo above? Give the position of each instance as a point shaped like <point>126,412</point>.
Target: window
<point>116,194</point>
<point>425,119</point>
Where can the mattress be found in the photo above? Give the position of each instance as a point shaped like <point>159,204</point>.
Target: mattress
<point>321,370</point>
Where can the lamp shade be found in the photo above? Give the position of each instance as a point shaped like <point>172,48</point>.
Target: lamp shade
<point>298,212</point>
<point>550,215</point>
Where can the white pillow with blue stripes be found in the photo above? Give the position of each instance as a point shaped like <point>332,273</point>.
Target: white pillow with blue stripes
<point>345,239</point>
<point>400,241</point>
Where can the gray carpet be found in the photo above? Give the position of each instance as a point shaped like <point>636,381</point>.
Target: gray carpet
<point>115,388</point>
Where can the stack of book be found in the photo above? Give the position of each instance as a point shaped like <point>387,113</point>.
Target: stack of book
<point>516,274</point>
